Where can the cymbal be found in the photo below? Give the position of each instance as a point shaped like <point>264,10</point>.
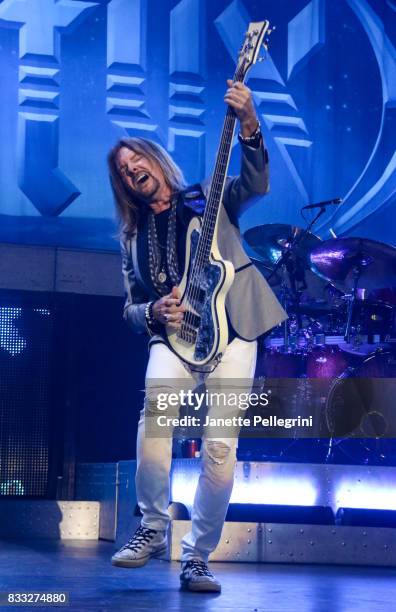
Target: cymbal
<point>270,241</point>
<point>335,260</point>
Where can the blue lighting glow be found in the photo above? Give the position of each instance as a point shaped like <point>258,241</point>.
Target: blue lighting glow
<point>285,491</point>
<point>273,490</point>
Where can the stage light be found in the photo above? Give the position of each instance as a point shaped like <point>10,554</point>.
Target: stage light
<point>363,495</point>
<point>276,490</point>
<point>12,487</point>
<point>294,489</point>
<point>10,339</point>
<point>285,491</point>
<point>183,487</point>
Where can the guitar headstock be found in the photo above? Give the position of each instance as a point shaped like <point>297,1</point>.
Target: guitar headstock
<point>250,49</point>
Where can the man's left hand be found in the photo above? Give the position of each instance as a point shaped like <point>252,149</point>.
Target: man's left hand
<point>239,97</point>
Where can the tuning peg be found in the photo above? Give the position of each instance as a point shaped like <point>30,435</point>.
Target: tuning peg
<point>270,30</point>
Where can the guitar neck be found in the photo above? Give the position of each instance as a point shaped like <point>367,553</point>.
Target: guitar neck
<point>247,57</point>
<point>218,181</point>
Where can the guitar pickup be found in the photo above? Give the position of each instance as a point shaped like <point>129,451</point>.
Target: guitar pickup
<point>191,320</point>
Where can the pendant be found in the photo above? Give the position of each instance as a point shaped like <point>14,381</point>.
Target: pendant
<point>162,277</point>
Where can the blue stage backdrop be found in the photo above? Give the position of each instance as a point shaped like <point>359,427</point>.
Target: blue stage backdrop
<point>77,75</point>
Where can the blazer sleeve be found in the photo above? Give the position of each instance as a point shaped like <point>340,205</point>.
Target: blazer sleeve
<point>136,299</point>
<point>242,191</point>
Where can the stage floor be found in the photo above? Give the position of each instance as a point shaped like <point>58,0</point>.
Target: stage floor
<point>83,569</point>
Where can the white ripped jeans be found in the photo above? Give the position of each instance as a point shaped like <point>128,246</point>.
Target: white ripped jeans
<point>154,454</point>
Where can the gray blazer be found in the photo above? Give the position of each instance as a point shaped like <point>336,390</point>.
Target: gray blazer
<point>251,304</point>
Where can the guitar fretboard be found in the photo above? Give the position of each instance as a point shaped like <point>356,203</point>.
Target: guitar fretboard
<point>217,186</point>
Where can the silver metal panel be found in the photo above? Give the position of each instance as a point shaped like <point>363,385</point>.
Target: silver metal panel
<point>243,542</point>
<point>80,520</point>
<point>330,544</point>
<point>89,272</point>
<point>63,520</point>
<point>284,543</point>
<point>27,268</point>
<point>98,481</point>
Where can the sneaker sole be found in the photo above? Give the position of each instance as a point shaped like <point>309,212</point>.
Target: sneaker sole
<point>200,587</point>
<point>130,563</point>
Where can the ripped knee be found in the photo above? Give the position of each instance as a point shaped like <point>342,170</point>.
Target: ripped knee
<point>217,451</point>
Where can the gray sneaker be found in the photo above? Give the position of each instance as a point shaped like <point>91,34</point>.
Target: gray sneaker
<point>143,545</point>
<point>195,576</point>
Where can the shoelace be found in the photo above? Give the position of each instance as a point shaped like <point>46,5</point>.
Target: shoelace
<point>142,536</point>
<point>199,568</point>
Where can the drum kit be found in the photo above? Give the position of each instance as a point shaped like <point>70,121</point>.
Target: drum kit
<point>340,295</point>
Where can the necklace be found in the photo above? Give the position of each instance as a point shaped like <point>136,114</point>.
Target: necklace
<point>163,261</point>
<point>162,276</point>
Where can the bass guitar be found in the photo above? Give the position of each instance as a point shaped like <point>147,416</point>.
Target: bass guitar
<point>207,278</point>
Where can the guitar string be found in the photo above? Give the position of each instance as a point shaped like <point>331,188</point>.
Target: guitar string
<point>210,214</point>
<point>209,217</point>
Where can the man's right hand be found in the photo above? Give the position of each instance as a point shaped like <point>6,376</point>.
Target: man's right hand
<point>168,311</point>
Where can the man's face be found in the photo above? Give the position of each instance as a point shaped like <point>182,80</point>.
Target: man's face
<point>142,175</point>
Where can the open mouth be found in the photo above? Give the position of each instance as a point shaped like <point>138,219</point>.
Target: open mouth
<point>141,178</point>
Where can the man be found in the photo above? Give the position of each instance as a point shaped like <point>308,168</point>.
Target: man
<point>155,208</point>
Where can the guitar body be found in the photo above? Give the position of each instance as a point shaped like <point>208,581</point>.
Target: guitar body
<point>206,329</point>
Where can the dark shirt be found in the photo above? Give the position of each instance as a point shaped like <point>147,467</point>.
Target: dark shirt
<point>161,223</point>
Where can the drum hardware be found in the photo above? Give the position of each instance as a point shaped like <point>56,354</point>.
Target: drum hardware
<point>356,273</point>
<point>284,249</point>
<point>357,264</point>
<point>335,334</point>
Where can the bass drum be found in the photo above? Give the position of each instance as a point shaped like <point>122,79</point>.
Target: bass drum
<point>283,373</point>
<point>275,362</point>
<point>361,409</point>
